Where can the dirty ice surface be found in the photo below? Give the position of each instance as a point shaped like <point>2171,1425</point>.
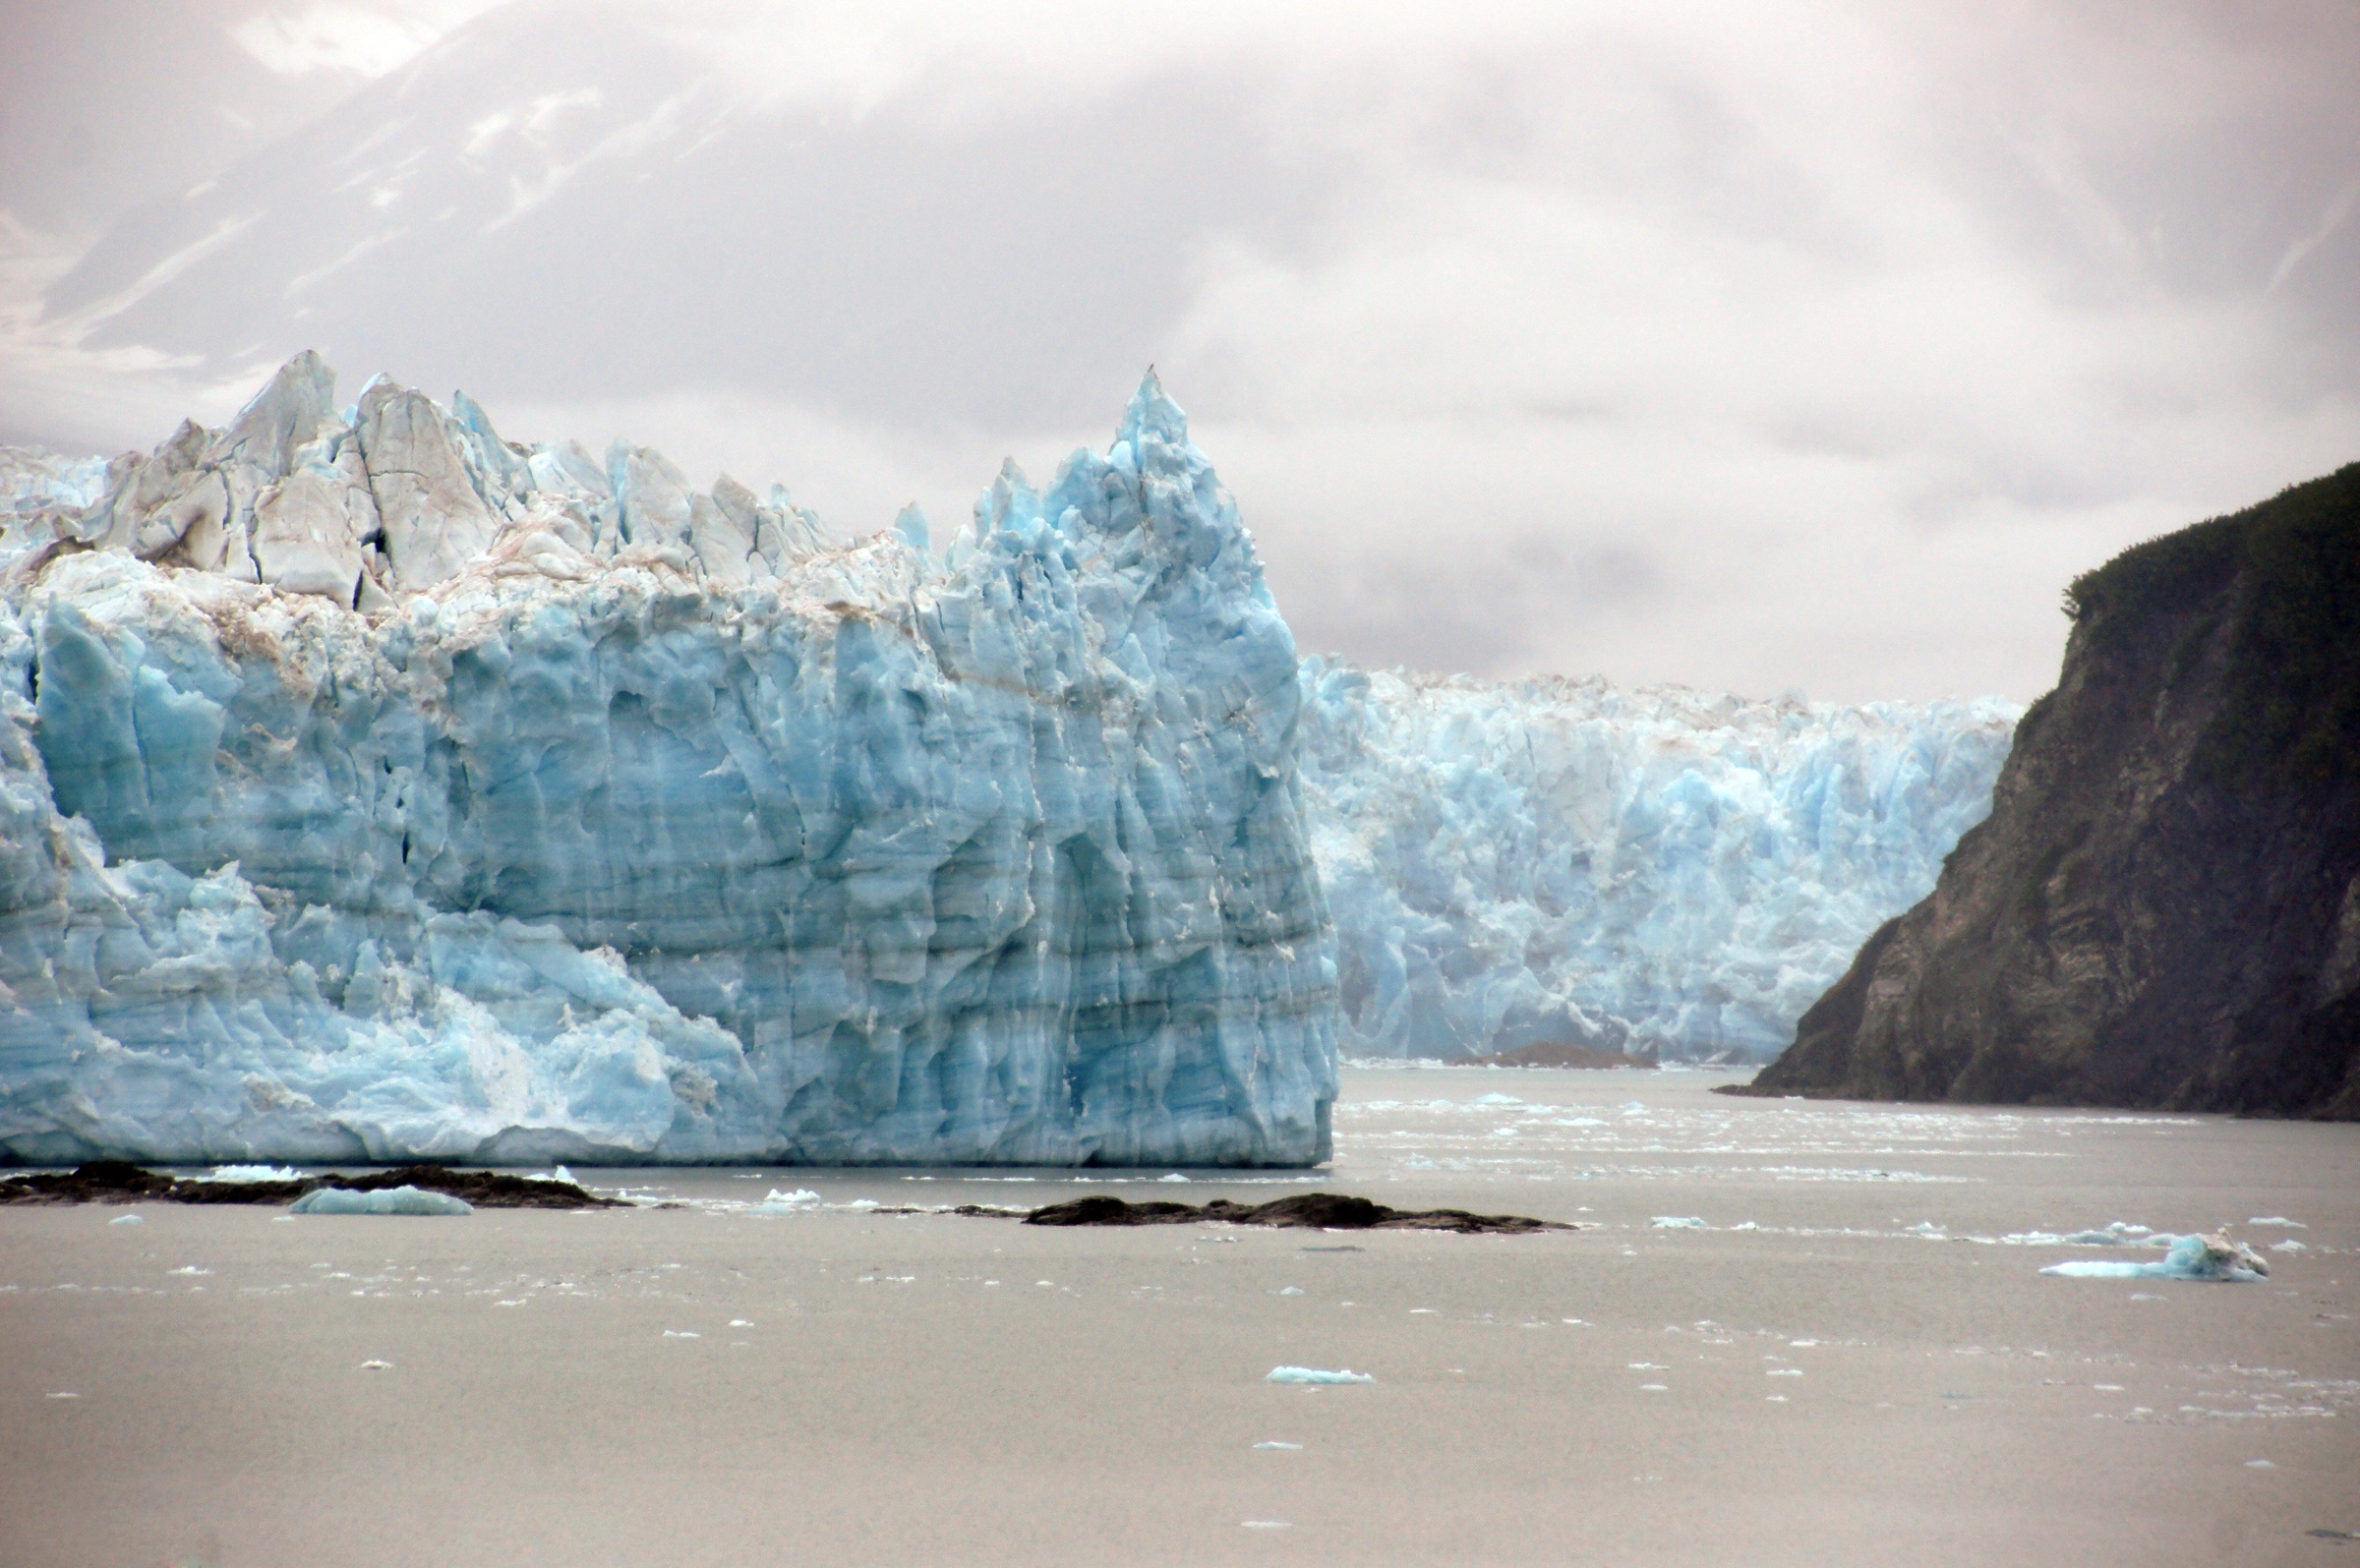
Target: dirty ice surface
<point>2195,1257</point>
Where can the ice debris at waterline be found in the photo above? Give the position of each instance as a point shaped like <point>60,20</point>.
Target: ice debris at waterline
<point>1559,863</point>
<point>385,1200</point>
<point>1316,1377</point>
<point>120,1182</point>
<point>374,788</point>
<point>2199,1257</point>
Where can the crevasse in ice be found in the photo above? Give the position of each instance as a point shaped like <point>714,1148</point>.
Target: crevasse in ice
<point>1662,871</point>
<point>372,787</point>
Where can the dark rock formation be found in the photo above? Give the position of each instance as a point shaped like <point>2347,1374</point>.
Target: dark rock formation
<point>2163,908</point>
<point>1328,1212</point>
<point>121,1182</point>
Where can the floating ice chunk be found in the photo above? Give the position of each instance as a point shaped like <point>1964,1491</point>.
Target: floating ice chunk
<point>2290,1245</point>
<point>1175,1177</point>
<point>377,1366</point>
<point>1783,1372</point>
<point>193,1271</point>
<point>681,1333</point>
<point>799,1200</point>
<point>1497,1099</point>
<point>65,1394</point>
<point>1287,1447</point>
<point>1288,1290</point>
<point>1265,1524</point>
<point>127,1219</point>
<point>740,1322</point>
<point>1654,1388</point>
<point>1314,1375</point>
<point>251,1173</point>
<point>1676,1222</point>
<point>2279,1220</point>
<point>386,1201</point>
<point>2260,1464</point>
<point>2193,1258</point>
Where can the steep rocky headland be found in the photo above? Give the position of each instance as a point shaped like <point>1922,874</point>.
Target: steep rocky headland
<point>2163,907</point>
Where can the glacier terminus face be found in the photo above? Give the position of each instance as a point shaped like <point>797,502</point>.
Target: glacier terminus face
<point>1661,873</point>
<point>374,788</point>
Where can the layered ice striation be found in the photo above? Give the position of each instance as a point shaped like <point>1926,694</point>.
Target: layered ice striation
<point>373,787</point>
<point>1659,872</point>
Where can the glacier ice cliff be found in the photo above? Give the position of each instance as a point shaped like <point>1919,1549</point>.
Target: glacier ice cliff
<point>372,787</point>
<point>1665,871</point>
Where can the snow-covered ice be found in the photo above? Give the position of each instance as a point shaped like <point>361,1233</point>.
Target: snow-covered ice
<point>385,1200</point>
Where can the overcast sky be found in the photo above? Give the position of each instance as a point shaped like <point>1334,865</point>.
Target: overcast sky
<point>1809,347</point>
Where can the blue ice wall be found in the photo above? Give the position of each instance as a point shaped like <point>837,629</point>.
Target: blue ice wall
<point>1665,872</point>
<point>371,787</point>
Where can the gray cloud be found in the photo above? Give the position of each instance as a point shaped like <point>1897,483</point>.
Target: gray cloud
<point>1698,343</point>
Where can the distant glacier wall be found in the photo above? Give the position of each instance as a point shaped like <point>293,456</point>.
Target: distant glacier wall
<point>1662,871</point>
<point>374,788</point>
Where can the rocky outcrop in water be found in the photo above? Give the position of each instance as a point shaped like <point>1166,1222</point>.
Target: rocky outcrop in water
<point>2163,907</point>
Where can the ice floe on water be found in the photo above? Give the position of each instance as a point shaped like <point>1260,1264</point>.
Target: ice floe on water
<point>385,1200</point>
<point>2188,1257</point>
<point>1316,1376</point>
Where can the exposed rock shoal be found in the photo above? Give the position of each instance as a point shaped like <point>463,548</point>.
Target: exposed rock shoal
<point>1327,1212</point>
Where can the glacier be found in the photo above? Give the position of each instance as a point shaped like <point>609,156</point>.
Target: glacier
<point>1661,873</point>
<point>374,788</point>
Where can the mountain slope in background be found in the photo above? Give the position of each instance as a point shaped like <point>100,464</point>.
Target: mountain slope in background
<point>2163,908</point>
<point>880,266</point>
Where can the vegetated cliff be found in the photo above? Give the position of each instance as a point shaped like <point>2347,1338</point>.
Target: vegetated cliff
<point>2163,907</point>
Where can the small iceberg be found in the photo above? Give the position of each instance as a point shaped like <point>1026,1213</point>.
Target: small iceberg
<point>127,1219</point>
<point>250,1173</point>
<point>1677,1222</point>
<point>386,1201</point>
<point>2202,1258</point>
<point>1316,1376</point>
